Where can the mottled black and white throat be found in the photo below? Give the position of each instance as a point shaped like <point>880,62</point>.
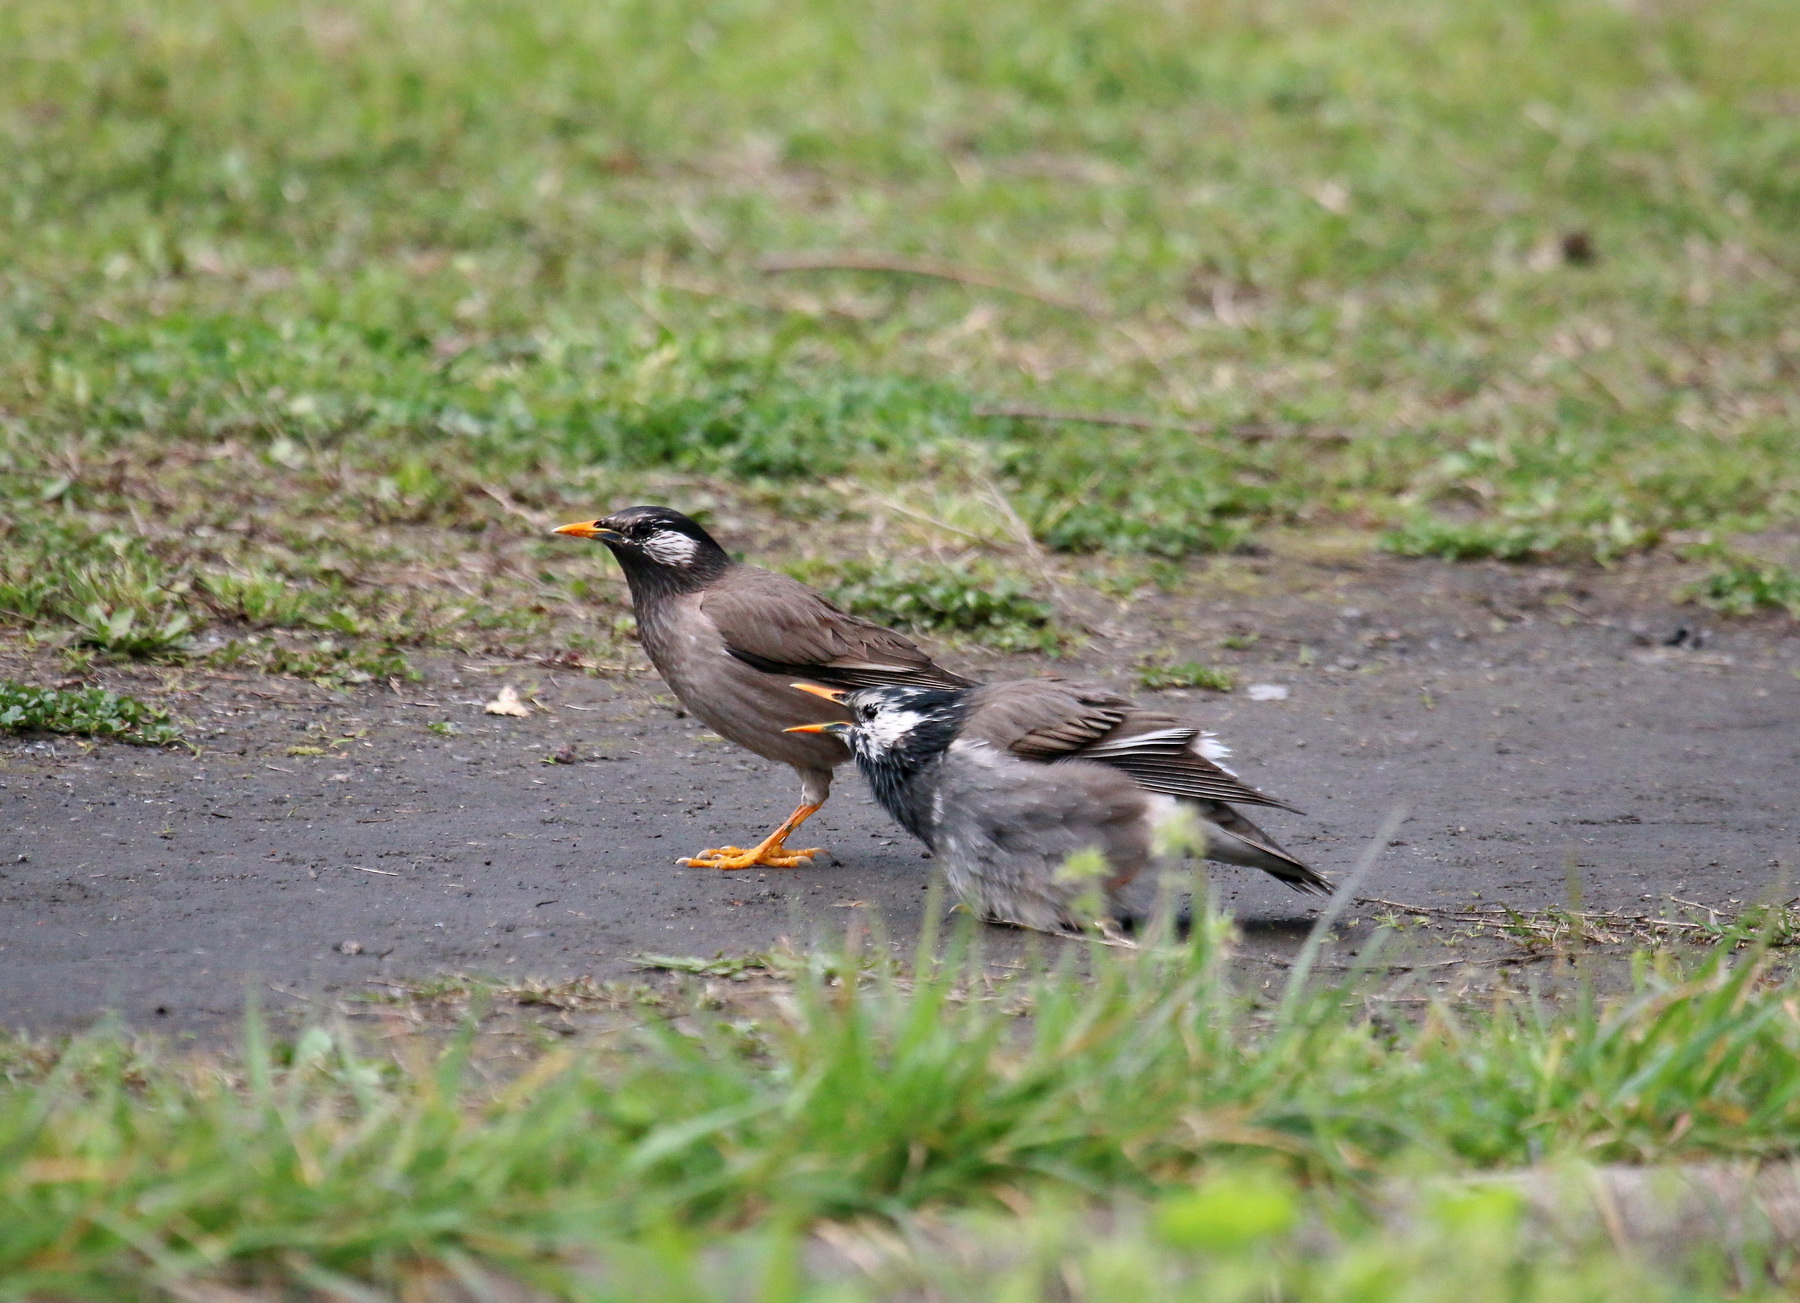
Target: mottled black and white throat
<point>899,737</point>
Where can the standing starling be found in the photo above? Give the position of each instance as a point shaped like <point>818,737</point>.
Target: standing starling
<point>728,638</point>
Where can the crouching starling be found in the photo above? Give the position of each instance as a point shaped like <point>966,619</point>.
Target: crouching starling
<point>729,638</point>
<point>1010,784</point>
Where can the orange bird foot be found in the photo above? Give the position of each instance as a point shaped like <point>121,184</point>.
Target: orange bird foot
<point>757,857</point>
<point>772,854</point>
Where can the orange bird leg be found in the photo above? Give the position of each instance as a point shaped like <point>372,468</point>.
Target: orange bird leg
<point>771,854</point>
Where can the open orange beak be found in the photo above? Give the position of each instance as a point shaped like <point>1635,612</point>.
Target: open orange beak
<point>590,529</point>
<point>836,696</point>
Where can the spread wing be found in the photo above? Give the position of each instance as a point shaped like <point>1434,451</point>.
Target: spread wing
<point>1048,720</point>
<point>779,625</point>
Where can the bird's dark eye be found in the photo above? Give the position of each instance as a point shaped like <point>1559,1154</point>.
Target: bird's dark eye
<point>867,712</point>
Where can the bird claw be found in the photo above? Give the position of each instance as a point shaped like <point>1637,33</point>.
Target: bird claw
<point>735,857</point>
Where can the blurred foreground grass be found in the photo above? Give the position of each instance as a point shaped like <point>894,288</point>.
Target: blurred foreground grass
<point>323,297</point>
<point>1138,1130</point>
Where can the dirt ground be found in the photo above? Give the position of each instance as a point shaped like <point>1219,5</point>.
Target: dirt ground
<point>1550,732</point>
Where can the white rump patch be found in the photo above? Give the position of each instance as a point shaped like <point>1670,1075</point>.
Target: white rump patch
<point>1209,746</point>
<point>671,548</point>
<point>1174,828</point>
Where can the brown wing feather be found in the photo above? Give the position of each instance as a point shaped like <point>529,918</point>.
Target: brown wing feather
<point>1042,719</point>
<point>778,624</point>
<point>1051,719</point>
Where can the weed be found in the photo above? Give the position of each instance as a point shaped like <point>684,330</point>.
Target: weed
<point>326,661</point>
<point>736,967</point>
<point>259,598</point>
<point>118,598</point>
<point>120,632</point>
<point>87,712</point>
<point>575,994</point>
<point>1187,674</point>
<point>581,993</point>
<point>1760,925</point>
<point>970,598</point>
<point>1453,540</point>
<point>1746,585</point>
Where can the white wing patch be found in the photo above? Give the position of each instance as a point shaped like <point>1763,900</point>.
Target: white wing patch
<point>1135,742</point>
<point>976,749</point>
<point>1203,744</point>
<point>671,548</point>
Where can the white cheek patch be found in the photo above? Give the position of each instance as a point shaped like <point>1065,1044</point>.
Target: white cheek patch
<point>669,548</point>
<point>887,728</point>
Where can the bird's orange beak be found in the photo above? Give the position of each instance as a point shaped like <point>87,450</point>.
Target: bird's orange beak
<point>836,696</point>
<point>835,727</point>
<point>589,529</point>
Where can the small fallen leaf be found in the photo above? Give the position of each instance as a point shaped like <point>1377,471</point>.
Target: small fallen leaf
<point>306,751</point>
<point>1267,692</point>
<point>508,703</point>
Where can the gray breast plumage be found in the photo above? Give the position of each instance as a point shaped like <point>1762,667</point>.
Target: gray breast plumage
<point>740,703</point>
<point>1011,834</point>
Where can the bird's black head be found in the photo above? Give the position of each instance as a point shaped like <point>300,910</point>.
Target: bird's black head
<point>657,545</point>
<point>902,727</point>
<point>897,735</point>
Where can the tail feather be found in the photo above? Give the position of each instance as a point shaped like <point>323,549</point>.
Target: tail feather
<point>1233,839</point>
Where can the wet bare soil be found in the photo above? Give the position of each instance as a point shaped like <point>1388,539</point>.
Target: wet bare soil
<point>1550,734</point>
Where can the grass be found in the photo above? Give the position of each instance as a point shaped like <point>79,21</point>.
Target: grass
<point>969,598</point>
<point>314,319</point>
<point>304,307</point>
<point>84,712</point>
<point>854,1094</point>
